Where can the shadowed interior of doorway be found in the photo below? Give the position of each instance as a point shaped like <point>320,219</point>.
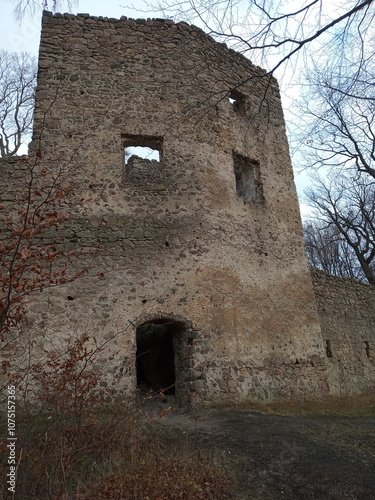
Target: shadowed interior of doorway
<point>156,355</point>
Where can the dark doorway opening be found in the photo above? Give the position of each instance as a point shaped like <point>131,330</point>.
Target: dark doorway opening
<point>155,356</point>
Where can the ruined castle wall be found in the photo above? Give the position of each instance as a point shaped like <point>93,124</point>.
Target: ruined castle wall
<point>213,240</point>
<point>347,316</point>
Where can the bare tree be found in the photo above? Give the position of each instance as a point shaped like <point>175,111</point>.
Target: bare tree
<point>27,263</point>
<point>272,32</point>
<point>278,36</point>
<point>344,225</point>
<point>24,7</point>
<point>17,86</point>
<point>338,118</point>
<point>328,251</point>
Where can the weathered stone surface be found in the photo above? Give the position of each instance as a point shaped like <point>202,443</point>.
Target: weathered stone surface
<point>347,315</point>
<point>179,240</point>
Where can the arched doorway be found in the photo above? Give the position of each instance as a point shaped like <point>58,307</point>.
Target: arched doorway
<point>158,356</point>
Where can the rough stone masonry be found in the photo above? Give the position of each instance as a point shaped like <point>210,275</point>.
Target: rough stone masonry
<point>202,246</point>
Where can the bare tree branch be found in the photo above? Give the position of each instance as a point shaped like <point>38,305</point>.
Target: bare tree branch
<point>24,7</point>
<point>17,86</point>
<point>338,131</point>
<point>340,239</point>
<point>267,27</point>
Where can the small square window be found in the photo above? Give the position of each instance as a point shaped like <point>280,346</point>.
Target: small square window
<point>143,159</point>
<point>246,172</point>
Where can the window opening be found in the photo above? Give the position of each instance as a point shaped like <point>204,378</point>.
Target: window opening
<point>367,348</point>
<point>141,152</point>
<point>328,349</point>
<point>246,172</point>
<point>143,159</point>
<point>238,102</point>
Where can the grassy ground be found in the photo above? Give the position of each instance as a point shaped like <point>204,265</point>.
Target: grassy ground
<point>350,406</point>
<point>110,457</point>
<point>258,452</point>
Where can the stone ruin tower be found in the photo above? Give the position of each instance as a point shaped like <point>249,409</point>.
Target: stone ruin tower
<point>202,259</point>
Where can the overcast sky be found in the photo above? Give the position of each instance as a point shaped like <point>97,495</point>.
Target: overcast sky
<point>24,36</point>
<point>18,36</point>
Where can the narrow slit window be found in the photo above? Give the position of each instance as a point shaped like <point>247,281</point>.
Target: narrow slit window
<point>247,176</point>
<point>329,349</point>
<point>238,102</point>
<point>143,159</point>
<point>367,348</point>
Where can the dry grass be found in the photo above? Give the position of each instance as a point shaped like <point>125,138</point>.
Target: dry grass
<point>348,406</point>
<point>110,459</point>
<point>186,477</point>
<point>117,456</point>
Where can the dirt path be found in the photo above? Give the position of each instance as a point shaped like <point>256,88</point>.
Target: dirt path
<point>288,457</point>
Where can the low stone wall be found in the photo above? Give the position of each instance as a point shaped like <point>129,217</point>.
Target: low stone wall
<point>347,316</point>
